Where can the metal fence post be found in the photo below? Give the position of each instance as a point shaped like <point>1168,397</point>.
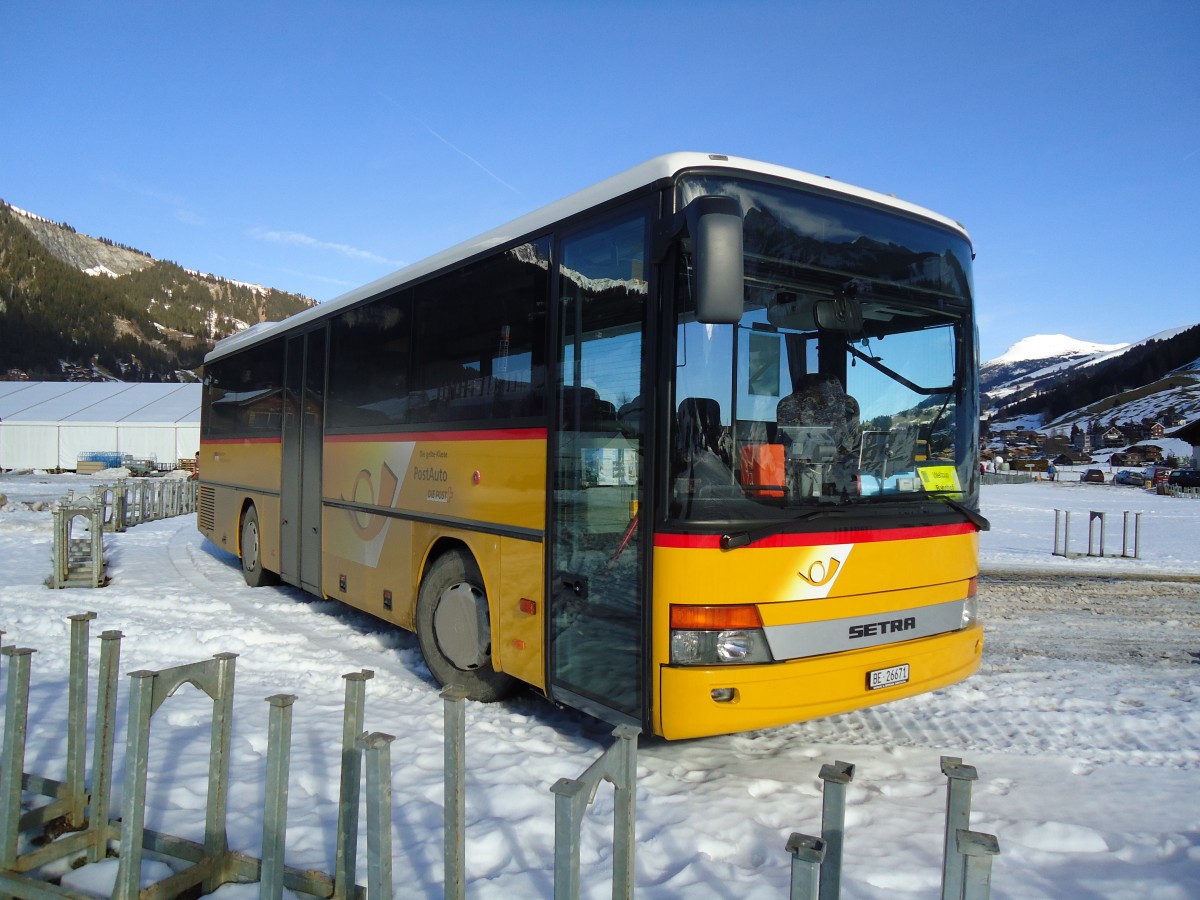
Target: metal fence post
<point>808,852</point>
<point>958,817</point>
<point>455,802</point>
<point>216,841</point>
<point>379,814</point>
<point>103,744</point>
<point>345,856</point>
<point>12,766</point>
<point>77,719</point>
<point>1093,515</point>
<point>1137,535</point>
<point>133,803</point>
<point>618,765</point>
<point>58,577</point>
<point>120,501</point>
<point>570,802</point>
<point>977,849</point>
<point>624,810</point>
<point>833,825</point>
<point>279,756</point>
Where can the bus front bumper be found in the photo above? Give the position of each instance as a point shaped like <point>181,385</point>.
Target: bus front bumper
<point>765,696</point>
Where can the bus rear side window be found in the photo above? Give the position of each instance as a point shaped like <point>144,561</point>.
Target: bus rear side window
<point>243,394</point>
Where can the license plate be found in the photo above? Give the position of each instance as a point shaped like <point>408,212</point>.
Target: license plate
<point>890,677</point>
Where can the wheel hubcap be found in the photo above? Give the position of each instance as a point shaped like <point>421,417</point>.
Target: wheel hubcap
<point>460,624</point>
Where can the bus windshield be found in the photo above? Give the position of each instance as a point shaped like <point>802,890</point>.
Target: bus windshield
<point>849,381</point>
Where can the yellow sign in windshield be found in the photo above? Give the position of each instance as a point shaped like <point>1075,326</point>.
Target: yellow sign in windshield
<point>943,479</point>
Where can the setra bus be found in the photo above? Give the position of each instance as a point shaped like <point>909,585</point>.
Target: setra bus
<point>695,448</point>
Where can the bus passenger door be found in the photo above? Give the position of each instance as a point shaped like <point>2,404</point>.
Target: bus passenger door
<point>300,485</point>
<point>597,551</point>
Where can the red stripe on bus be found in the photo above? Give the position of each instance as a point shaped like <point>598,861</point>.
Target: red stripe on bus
<point>257,440</point>
<point>812,539</point>
<point>495,434</point>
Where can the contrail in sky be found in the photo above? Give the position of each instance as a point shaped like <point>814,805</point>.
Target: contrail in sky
<point>457,150</point>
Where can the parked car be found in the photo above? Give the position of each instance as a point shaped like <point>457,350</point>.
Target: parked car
<point>1157,473</point>
<point>1093,475</point>
<point>1189,478</point>
<point>1126,476</point>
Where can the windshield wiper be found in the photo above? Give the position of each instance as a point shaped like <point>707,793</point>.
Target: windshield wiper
<point>734,539</point>
<point>925,496</point>
<point>971,515</point>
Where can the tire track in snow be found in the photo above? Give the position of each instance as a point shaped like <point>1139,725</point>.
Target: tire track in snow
<point>1062,659</point>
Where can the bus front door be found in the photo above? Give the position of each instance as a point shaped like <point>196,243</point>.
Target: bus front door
<point>597,551</point>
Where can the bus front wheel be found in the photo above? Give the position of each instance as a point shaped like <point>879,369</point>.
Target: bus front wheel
<point>454,629</point>
<point>251,546</point>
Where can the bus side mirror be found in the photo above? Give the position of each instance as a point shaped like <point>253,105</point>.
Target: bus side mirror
<point>715,226</point>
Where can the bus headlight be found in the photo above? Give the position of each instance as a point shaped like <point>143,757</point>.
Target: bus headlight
<point>970,611</point>
<point>717,635</point>
<point>708,648</point>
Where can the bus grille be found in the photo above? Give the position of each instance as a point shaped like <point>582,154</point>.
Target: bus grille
<point>206,516</point>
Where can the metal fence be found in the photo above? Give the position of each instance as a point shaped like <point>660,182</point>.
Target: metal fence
<point>1131,538</point>
<point>80,523</point>
<point>1011,477</point>
<point>78,810</point>
<point>966,855</point>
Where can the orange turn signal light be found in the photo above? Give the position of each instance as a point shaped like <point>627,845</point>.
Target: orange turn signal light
<point>714,618</point>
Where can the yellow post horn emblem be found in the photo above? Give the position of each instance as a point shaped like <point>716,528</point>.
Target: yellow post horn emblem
<point>820,573</point>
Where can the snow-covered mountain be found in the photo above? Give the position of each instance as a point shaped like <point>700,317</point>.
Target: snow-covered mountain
<point>1080,382</point>
<point>1037,359</point>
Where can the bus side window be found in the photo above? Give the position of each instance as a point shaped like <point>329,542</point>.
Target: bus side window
<point>477,348</point>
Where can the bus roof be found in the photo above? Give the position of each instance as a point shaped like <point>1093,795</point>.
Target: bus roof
<point>661,168</point>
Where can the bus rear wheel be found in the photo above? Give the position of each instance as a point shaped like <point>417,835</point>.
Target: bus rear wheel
<point>454,629</point>
<point>251,545</point>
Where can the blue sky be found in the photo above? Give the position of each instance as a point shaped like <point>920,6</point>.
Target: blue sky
<point>313,148</point>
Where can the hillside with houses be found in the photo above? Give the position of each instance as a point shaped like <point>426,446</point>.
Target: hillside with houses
<point>1139,403</point>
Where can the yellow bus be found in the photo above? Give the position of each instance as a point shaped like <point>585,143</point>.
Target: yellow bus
<point>695,448</point>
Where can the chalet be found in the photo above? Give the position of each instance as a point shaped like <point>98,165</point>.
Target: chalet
<point>1071,457</point>
<point>1190,433</point>
<point>1148,452</point>
<point>1114,437</point>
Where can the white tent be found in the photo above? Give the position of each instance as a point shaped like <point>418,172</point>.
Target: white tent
<point>49,425</point>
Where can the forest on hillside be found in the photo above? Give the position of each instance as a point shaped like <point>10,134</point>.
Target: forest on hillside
<point>142,326</point>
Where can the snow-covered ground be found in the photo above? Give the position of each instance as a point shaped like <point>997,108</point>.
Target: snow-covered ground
<point>1084,724</point>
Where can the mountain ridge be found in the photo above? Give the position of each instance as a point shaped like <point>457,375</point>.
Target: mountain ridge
<point>77,306</point>
<point>1153,379</point>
